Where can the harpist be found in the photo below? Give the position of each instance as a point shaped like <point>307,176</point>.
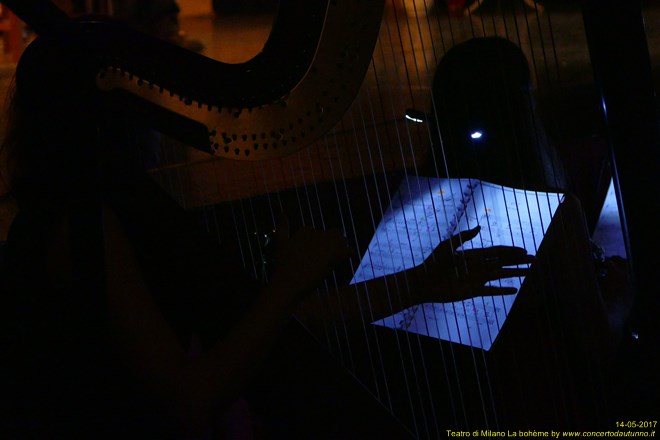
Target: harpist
<point>121,320</point>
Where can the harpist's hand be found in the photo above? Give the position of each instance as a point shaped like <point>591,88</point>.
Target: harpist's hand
<point>306,258</point>
<point>450,275</point>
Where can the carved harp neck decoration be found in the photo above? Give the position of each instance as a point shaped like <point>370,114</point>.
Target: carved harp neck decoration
<point>291,93</point>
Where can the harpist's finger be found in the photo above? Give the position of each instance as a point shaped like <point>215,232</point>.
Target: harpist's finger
<point>499,256</point>
<point>464,236</point>
<point>507,273</point>
<point>450,245</point>
<point>496,253</point>
<point>512,260</point>
<point>493,291</point>
<point>484,260</point>
<point>502,251</point>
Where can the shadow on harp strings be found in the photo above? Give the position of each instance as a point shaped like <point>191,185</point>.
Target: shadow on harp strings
<point>132,321</point>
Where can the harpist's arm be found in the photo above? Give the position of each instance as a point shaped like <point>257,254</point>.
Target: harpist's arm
<point>444,277</point>
<point>198,387</point>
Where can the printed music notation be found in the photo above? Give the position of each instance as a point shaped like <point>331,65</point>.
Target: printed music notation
<point>425,211</point>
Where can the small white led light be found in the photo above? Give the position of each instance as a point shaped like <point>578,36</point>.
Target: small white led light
<point>414,119</point>
<point>476,135</point>
<point>415,115</point>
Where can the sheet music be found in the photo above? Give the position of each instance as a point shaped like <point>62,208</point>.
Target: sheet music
<point>425,211</point>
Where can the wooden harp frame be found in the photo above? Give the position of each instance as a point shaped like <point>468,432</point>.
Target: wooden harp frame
<point>292,96</point>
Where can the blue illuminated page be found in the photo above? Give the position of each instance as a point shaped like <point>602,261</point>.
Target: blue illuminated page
<point>423,212</point>
<point>426,211</point>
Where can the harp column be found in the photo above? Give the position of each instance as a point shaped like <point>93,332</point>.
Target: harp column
<point>623,73</point>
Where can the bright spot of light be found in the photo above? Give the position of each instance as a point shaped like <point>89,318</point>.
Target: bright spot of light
<point>415,115</point>
<point>476,135</point>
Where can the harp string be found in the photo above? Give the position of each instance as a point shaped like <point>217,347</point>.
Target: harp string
<point>428,12</point>
<point>401,291</point>
<point>408,78</point>
<point>555,56</point>
<point>397,288</point>
<point>418,75</point>
<point>535,70</point>
<point>400,138</point>
<point>490,335</point>
<point>376,390</point>
<point>370,333</point>
<point>340,328</point>
<point>423,52</point>
<point>540,137</point>
<point>406,289</point>
<point>367,169</point>
<point>536,133</point>
<point>475,354</point>
<point>553,348</point>
<point>515,140</point>
<point>417,336</point>
<point>337,327</point>
<point>439,344</point>
<point>410,338</point>
<point>551,85</point>
<point>344,227</point>
<point>402,99</point>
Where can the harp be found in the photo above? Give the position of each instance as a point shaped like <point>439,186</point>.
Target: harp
<point>541,368</point>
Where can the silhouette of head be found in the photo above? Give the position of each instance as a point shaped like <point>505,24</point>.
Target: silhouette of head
<point>63,139</point>
<point>484,116</point>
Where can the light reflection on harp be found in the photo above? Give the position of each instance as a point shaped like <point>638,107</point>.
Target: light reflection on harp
<point>538,373</point>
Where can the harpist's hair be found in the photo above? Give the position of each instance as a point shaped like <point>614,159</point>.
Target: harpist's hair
<point>486,123</point>
<point>51,103</point>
